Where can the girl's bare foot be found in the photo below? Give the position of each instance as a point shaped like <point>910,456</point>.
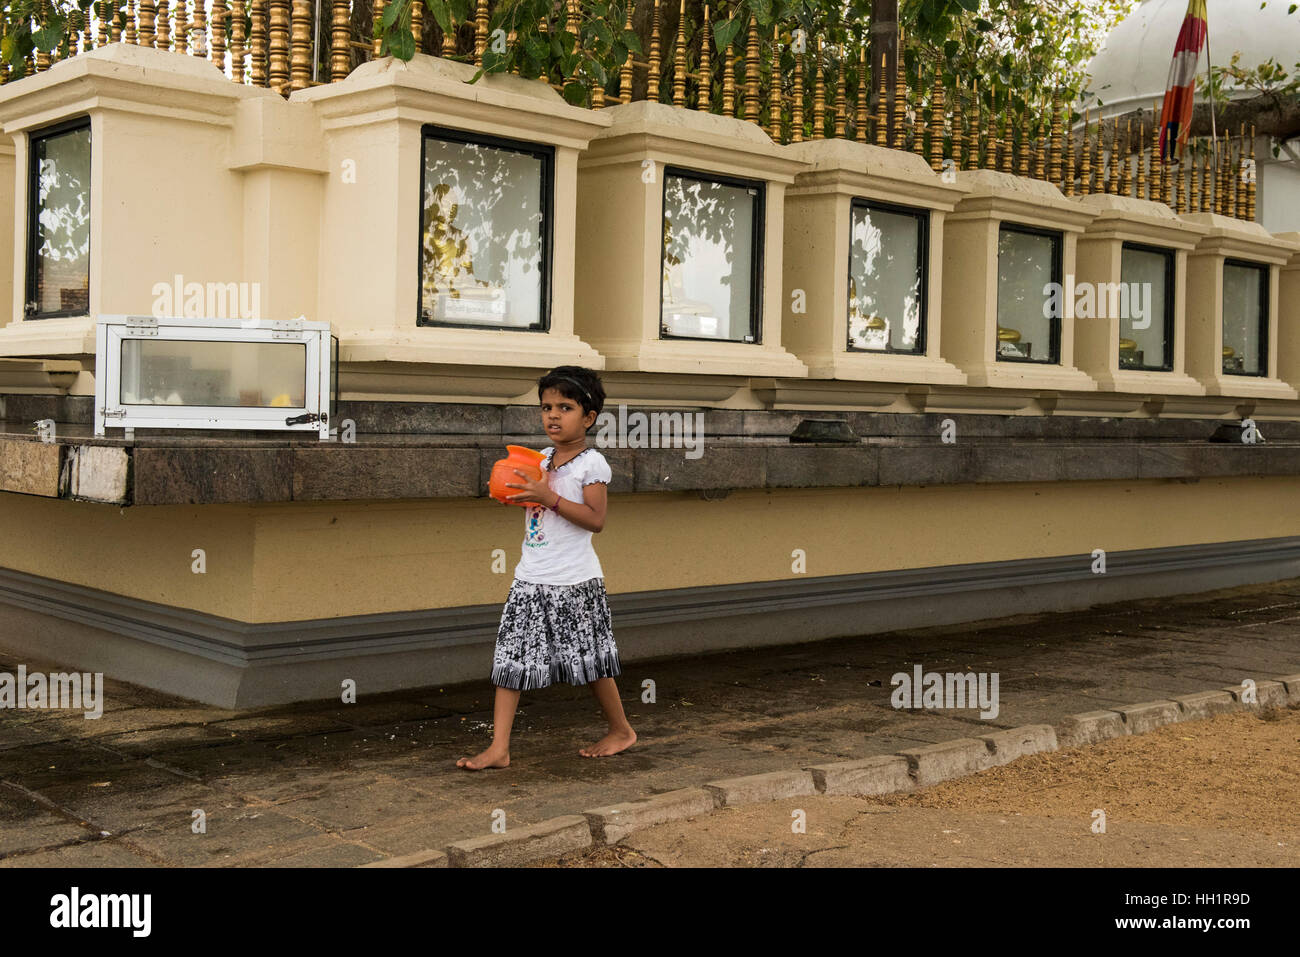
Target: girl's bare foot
<point>612,743</point>
<point>493,757</point>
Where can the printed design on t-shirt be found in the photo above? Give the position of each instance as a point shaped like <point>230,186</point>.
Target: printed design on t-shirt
<point>535,537</point>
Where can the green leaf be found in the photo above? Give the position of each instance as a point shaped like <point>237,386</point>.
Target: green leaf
<point>602,31</point>
<point>982,25</point>
<point>390,13</point>
<point>47,38</point>
<point>575,93</point>
<point>724,33</point>
<point>440,13</point>
<point>402,43</point>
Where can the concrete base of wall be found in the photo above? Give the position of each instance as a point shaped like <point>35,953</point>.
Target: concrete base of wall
<point>232,664</point>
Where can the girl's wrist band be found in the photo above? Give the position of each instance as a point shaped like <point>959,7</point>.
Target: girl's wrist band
<point>556,507</point>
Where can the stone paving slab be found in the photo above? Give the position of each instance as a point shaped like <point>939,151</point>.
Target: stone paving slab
<point>332,785</point>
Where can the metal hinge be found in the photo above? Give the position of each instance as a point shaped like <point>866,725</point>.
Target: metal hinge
<point>142,325</point>
<point>114,413</point>
<point>286,329</point>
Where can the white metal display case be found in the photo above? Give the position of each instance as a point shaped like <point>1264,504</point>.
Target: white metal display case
<point>120,401</point>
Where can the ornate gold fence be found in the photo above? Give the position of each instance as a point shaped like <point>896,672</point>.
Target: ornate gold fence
<point>821,91</point>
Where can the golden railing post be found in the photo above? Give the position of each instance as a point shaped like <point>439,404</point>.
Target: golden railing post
<point>1142,160</point>
<point>87,32</point>
<point>916,98</point>
<point>257,42</point>
<point>774,88</point>
<point>752,88</point>
<point>1056,142</point>
<point>704,89</point>
<point>220,14</point>
<point>841,100</point>
<point>340,34</point>
<point>162,26</point>
<point>1069,154</point>
<point>376,16</point>
<point>1194,193</point>
<point>882,107</point>
<point>625,71</point>
<point>146,36</point>
<point>198,29</point>
<point>896,94</point>
<point>819,96</point>
<point>237,38</point>
<point>481,30</point>
<point>1125,182</point>
<point>1003,146</point>
<point>1250,183</point>
<point>936,123</point>
<point>862,96</point>
<point>1022,140</point>
<point>417,24</point>
<point>278,29</point>
<point>1085,155</point>
<point>796,108</point>
<point>300,48</point>
<point>1238,194</point>
<point>102,27</point>
<point>652,80</point>
<point>129,35</point>
<point>449,37</point>
<point>679,58</point>
<point>181,29</point>
<point>1042,129</point>
<point>728,82</point>
<point>1204,165</point>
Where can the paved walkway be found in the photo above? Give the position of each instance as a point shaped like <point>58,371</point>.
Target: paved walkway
<point>330,785</point>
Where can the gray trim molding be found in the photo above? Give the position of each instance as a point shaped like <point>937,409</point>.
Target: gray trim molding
<point>230,663</point>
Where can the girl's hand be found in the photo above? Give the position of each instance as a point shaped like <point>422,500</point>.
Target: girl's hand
<point>532,491</point>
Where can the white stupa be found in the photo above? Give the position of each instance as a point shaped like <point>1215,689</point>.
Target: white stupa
<point>1132,67</point>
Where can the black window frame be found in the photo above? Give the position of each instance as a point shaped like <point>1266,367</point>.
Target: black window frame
<point>1170,257</point>
<point>1266,278</point>
<point>31,304</point>
<point>1054,329</point>
<point>922,216</point>
<point>756,246</point>
<point>541,151</point>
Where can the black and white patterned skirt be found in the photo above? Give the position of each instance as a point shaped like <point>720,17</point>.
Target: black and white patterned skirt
<point>552,633</point>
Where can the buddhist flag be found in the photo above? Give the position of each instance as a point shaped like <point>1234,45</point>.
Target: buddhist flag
<point>1176,114</point>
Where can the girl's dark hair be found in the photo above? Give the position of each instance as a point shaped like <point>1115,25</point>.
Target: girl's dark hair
<point>578,383</point>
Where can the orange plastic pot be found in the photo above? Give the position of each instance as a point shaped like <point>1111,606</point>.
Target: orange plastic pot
<point>503,471</point>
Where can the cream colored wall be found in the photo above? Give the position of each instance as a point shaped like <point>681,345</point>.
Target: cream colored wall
<point>8,251</point>
<point>616,279</point>
<point>970,289</point>
<point>1096,261</point>
<point>372,557</point>
<point>816,261</point>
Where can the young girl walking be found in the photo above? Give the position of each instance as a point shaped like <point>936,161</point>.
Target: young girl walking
<point>556,623</point>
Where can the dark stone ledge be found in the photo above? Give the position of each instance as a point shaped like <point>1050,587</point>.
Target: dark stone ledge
<point>210,474</point>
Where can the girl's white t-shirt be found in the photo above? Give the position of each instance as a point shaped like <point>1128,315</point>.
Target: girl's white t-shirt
<point>556,551</point>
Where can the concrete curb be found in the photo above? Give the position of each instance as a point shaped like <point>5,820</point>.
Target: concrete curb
<point>897,773</point>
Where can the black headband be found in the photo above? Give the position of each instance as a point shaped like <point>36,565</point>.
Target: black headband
<point>580,387</point>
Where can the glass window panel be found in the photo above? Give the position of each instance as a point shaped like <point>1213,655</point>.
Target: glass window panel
<point>482,239</point>
<point>59,277</point>
<point>1244,318</point>
<point>886,272</point>
<point>263,374</point>
<point>1026,267</point>
<point>1144,333</point>
<point>709,259</point>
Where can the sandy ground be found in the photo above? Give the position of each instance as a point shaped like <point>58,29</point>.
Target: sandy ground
<point>1220,792</point>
